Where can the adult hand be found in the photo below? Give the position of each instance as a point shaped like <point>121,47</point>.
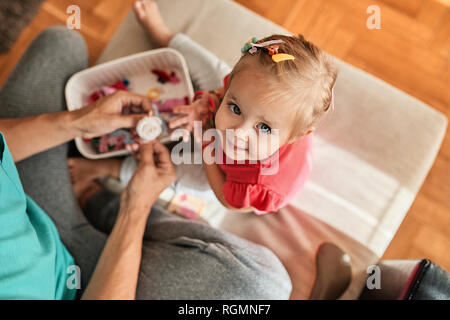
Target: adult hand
<point>105,115</point>
<point>154,173</point>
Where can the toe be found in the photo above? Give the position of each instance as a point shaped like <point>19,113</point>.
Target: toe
<point>139,9</point>
<point>71,162</point>
<point>73,176</point>
<point>148,4</point>
<point>150,7</point>
<point>85,193</point>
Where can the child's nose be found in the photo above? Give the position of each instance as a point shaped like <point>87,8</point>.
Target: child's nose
<point>243,127</point>
<point>245,134</point>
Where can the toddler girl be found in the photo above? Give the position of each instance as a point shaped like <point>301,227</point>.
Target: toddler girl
<point>264,115</point>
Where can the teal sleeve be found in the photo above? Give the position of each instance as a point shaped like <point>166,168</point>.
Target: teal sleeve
<point>33,260</point>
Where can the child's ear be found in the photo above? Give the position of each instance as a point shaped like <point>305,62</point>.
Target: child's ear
<point>301,135</point>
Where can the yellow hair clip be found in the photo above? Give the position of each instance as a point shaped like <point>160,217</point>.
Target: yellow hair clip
<point>282,57</point>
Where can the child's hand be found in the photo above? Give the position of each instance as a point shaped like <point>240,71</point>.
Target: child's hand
<point>197,111</point>
<point>196,116</point>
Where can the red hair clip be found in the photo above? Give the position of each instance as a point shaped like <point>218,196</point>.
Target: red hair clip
<point>273,49</point>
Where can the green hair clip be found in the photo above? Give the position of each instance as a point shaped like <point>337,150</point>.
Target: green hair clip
<point>248,45</point>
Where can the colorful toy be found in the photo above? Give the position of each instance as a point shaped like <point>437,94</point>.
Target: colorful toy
<point>253,47</point>
<point>149,128</point>
<point>112,142</point>
<point>153,93</point>
<point>164,76</point>
<point>167,105</point>
<point>107,90</point>
<point>116,140</point>
<point>187,206</point>
<point>122,133</point>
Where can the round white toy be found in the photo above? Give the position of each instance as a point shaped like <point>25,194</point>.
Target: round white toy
<point>149,128</point>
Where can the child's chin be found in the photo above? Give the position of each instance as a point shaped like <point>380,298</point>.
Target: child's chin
<point>244,155</point>
<point>240,155</point>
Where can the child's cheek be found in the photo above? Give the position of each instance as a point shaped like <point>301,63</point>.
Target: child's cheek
<point>220,120</point>
<point>267,146</point>
<point>258,150</point>
<point>273,145</point>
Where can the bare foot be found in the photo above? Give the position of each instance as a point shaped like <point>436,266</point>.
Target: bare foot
<point>83,172</point>
<point>148,14</point>
<point>90,189</point>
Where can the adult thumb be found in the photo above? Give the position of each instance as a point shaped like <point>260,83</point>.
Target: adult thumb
<point>128,121</point>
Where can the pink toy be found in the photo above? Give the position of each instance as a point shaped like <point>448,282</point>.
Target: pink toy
<point>168,104</point>
<point>149,128</point>
<point>187,206</point>
<point>164,76</point>
<point>107,90</point>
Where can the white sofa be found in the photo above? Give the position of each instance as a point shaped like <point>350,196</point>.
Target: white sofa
<point>371,156</point>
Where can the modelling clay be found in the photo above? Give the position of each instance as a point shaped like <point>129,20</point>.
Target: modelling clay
<point>149,128</point>
<point>153,93</point>
<point>174,79</point>
<point>107,143</point>
<point>168,104</point>
<point>164,76</point>
<point>112,142</point>
<point>122,132</point>
<point>107,90</point>
<point>186,205</point>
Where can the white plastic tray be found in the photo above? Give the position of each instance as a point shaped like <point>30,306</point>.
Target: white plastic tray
<point>137,68</point>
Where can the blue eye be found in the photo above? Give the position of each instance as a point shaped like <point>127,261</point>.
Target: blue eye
<point>264,128</point>
<point>235,109</point>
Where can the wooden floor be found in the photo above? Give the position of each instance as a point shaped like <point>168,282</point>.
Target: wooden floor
<point>99,20</point>
<point>411,52</point>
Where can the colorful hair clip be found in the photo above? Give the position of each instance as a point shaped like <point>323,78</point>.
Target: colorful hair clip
<point>255,46</point>
<point>282,57</point>
<point>273,49</point>
<point>247,45</point>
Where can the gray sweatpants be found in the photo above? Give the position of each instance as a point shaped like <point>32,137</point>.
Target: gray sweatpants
<point>181,259</point>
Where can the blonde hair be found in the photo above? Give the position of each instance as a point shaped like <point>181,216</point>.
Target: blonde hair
<point>307,80</point>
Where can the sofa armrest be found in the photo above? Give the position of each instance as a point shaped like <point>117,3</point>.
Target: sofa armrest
<point>409,280</point>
